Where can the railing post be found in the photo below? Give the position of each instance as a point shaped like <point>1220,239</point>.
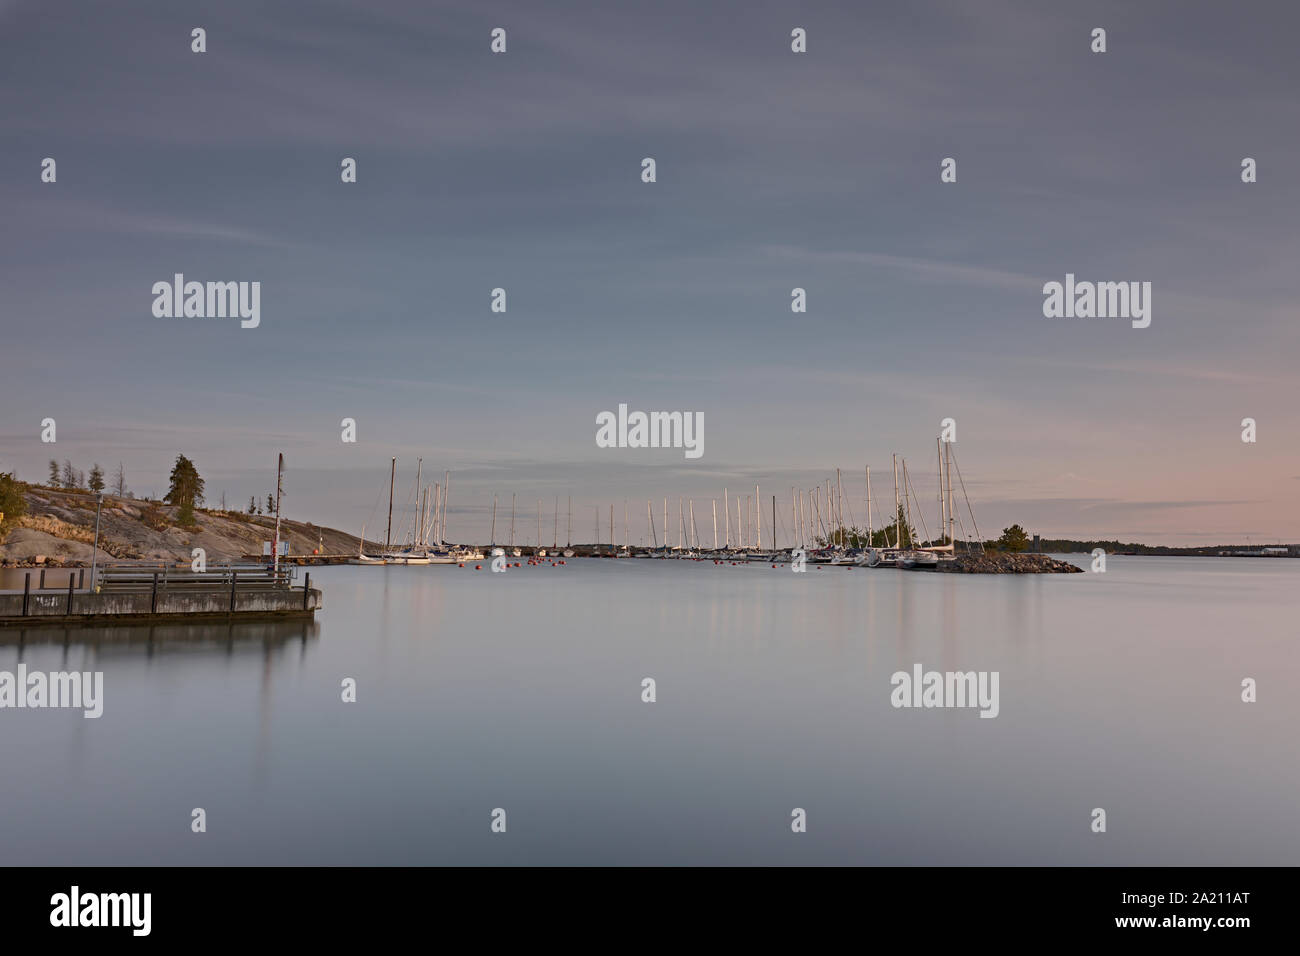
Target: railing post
<point>27,591</point>
<point>41,586</point>
<point>81,583</point>
<point>234,581</point>
<point>306,590</point>
<point>71,582</point>
<point>153,601</point>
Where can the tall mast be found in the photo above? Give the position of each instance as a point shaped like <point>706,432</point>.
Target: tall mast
<point>726,514</point>
<point>943,514</point>
<point>650,523</point>
<point>437,511</point>
<point>539,523</point>
<point>774,523</point>
<point>446,493</point>
<point>424,510</point>
<point>898,527</point>
<point>419,519</point>
<point>681,523</point>
<point>665,524</point>
<point>948,471</point>
<point>907,505</point>
<point>275,545</point>
<point>494,519</point>
<point>625,524</point>
<point>568,535</point>
<point>758,517</point>
<point>715,524</point>
<point>611,526</point>
<point>512,521</point>
<point>392,478</point>
<point>555,531</point>
<point>870,532</point>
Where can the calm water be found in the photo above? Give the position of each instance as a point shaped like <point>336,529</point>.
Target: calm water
<point>523,691</point>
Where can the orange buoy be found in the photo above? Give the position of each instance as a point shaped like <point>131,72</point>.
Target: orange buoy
<point>478,567</point>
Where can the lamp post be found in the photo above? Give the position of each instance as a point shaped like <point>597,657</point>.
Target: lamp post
<point>94,553</point>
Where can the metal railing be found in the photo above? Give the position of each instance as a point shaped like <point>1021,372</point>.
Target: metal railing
<point>246,577</point>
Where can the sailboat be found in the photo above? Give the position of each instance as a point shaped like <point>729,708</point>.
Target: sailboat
<point>568,539</point>
<point>540,552</point>
<point>362,557</point>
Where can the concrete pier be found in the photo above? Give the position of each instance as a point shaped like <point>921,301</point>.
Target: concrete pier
<point>209,597</point>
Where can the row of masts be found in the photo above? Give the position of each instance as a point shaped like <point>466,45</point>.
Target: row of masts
<point>431,514</point>
<point>817,515</point>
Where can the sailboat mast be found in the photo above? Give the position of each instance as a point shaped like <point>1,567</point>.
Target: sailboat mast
<point>715,524</point>
<point>437,511</point>
<point>419,519</point>
<point>275,546</point>
<point>539,523</point>
<point>726,514</point>
<point>424,510</point>
<point>624,524</point>
<point>512,521</point>
<point>392,479</point>
<point>650,523</point>
<point>555,531</point>
<point>692,530</point>
<point>446,493</point>
<point>870,533</point>
<point>774,523</point>
<point>907,505</point>
<point>948,470</point>
<point>898,528</point>
<point>943,513</point>
<point>758,517</point>
<point>568,534</point>
<point>494,519</point>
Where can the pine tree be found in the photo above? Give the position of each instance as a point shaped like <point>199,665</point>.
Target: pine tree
<point>69,475</point>
<point>54,473</point>
<point>186,485</point>
<point>270,504</point>
<point>13,504</point>
<point>252,505</point>
<point>96,478</point>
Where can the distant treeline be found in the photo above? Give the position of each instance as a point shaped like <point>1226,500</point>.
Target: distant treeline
<point>1067,546</point>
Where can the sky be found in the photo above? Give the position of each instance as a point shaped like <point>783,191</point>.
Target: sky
<point>775,170</point>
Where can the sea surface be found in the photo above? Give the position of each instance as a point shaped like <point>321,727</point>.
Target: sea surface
<point>523,692</point>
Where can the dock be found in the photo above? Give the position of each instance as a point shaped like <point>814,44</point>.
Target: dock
<point>128,594</point>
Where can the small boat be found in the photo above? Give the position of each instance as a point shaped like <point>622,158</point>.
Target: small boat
<point>917,560</point>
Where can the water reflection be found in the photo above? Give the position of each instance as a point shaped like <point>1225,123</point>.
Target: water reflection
<point>133,639</point>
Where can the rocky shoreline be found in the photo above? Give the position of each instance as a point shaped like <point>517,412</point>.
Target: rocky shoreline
<point>995,562</point>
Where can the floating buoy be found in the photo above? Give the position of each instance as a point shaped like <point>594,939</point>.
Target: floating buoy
<point>478,567</point>
<point>461,565</point>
